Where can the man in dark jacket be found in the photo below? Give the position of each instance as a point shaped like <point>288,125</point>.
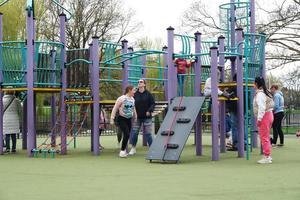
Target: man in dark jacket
<point>144,105</point>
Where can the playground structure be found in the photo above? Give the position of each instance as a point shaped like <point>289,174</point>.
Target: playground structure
<point>80,75</point>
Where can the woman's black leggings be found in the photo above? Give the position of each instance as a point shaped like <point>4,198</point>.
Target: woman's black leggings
<point>125,126</point>
<point>277,130</point>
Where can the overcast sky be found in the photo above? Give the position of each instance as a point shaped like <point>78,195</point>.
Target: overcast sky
<point>157,15</point>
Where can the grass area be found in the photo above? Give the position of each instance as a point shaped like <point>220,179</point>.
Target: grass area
<point>81,176</point>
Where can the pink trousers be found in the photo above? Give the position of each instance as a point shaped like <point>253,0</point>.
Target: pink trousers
<point>264,132</point>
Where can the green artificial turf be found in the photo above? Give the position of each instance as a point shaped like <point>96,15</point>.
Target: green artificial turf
<point>82,176</point>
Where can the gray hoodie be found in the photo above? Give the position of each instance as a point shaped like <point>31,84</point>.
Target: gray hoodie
<point>278,102</point>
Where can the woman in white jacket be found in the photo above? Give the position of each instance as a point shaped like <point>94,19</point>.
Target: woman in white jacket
<point>11,119</point>
<point>262,107</point>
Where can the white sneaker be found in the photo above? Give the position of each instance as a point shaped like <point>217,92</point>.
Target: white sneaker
<point>123,154</point>
<point>132,151</point>
<point>265,160</point>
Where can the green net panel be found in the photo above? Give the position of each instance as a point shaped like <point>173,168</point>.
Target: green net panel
<point>110,70</point>
<point>78,68</point>
<point>13,63</point>
<point>110,62</point>
<point>135,70</point>
<point>186,45</point>
<point>254,50</point>
<point>48,62</point>
<point>242,19</point>
<point>205,51</point>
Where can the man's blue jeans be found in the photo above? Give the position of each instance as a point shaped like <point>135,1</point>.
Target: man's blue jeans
<point>146,124</point>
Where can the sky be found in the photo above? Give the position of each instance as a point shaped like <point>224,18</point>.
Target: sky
<point>158,15</point>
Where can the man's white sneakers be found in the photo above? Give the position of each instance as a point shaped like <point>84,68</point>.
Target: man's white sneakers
<point>132,151</point>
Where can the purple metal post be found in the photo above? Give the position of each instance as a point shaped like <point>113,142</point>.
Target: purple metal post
<point>53,103</point>
<point>90,83</point>
<point>214,99</point>
<point>30,94</point>
<point>1,93</point>
<point>129,63</point>
<point>125,66</point>
<point>63,109</point>
<point>95,94</point>
<point>221,40</point>
<point>232,34</point>
<point>197,92</point>
<point>172,72</point>
<point>240,93</point>
<point>165,65</point>
<point>263,67</point>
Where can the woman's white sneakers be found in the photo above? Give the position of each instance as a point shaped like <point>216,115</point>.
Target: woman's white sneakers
<point>265,160</point>
<point>123,154</point>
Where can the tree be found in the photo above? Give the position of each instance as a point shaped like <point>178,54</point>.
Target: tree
<point>280,22</point>
<point>107,19</point>
<point>13,20</point>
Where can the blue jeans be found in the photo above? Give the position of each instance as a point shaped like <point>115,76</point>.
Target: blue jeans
<point>147,130</point>
<point>14,141</point>
<point>180,80</point>
<point>234,129</point>
<point>234,133</point>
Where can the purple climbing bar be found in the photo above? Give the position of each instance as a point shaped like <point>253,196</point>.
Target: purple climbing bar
<point>240,93</point>
<point>214,99</point>
<point>125,66</point>
<point>172,78</point>
<point>52,101</point>
<point>221,41</point>
<point>95,93</point>
<point>165,56</point>
<point>197,92</point>
<point>63,109</point>
<point>1,93</point>
<point>30,94</point>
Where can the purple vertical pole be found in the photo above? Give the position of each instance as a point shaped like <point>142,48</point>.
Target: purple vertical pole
<point>172,79</point>
<point>53,103</point>
<point>197,92</point>
<point>240,93</point>
<point>232,34</point>
<point>125,66</point>
<point>1,93</point>
<point>30,94</point>
<point>221,40</point>
<point>252,16</point>
<point>91,106</point>
<point>165,65</point>
<point>214,98</point>
<point>131,74</point>
<point>63,109</point>
<point>95,93</point>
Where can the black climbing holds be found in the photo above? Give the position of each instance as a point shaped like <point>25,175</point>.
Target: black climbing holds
<point>183,120</point>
